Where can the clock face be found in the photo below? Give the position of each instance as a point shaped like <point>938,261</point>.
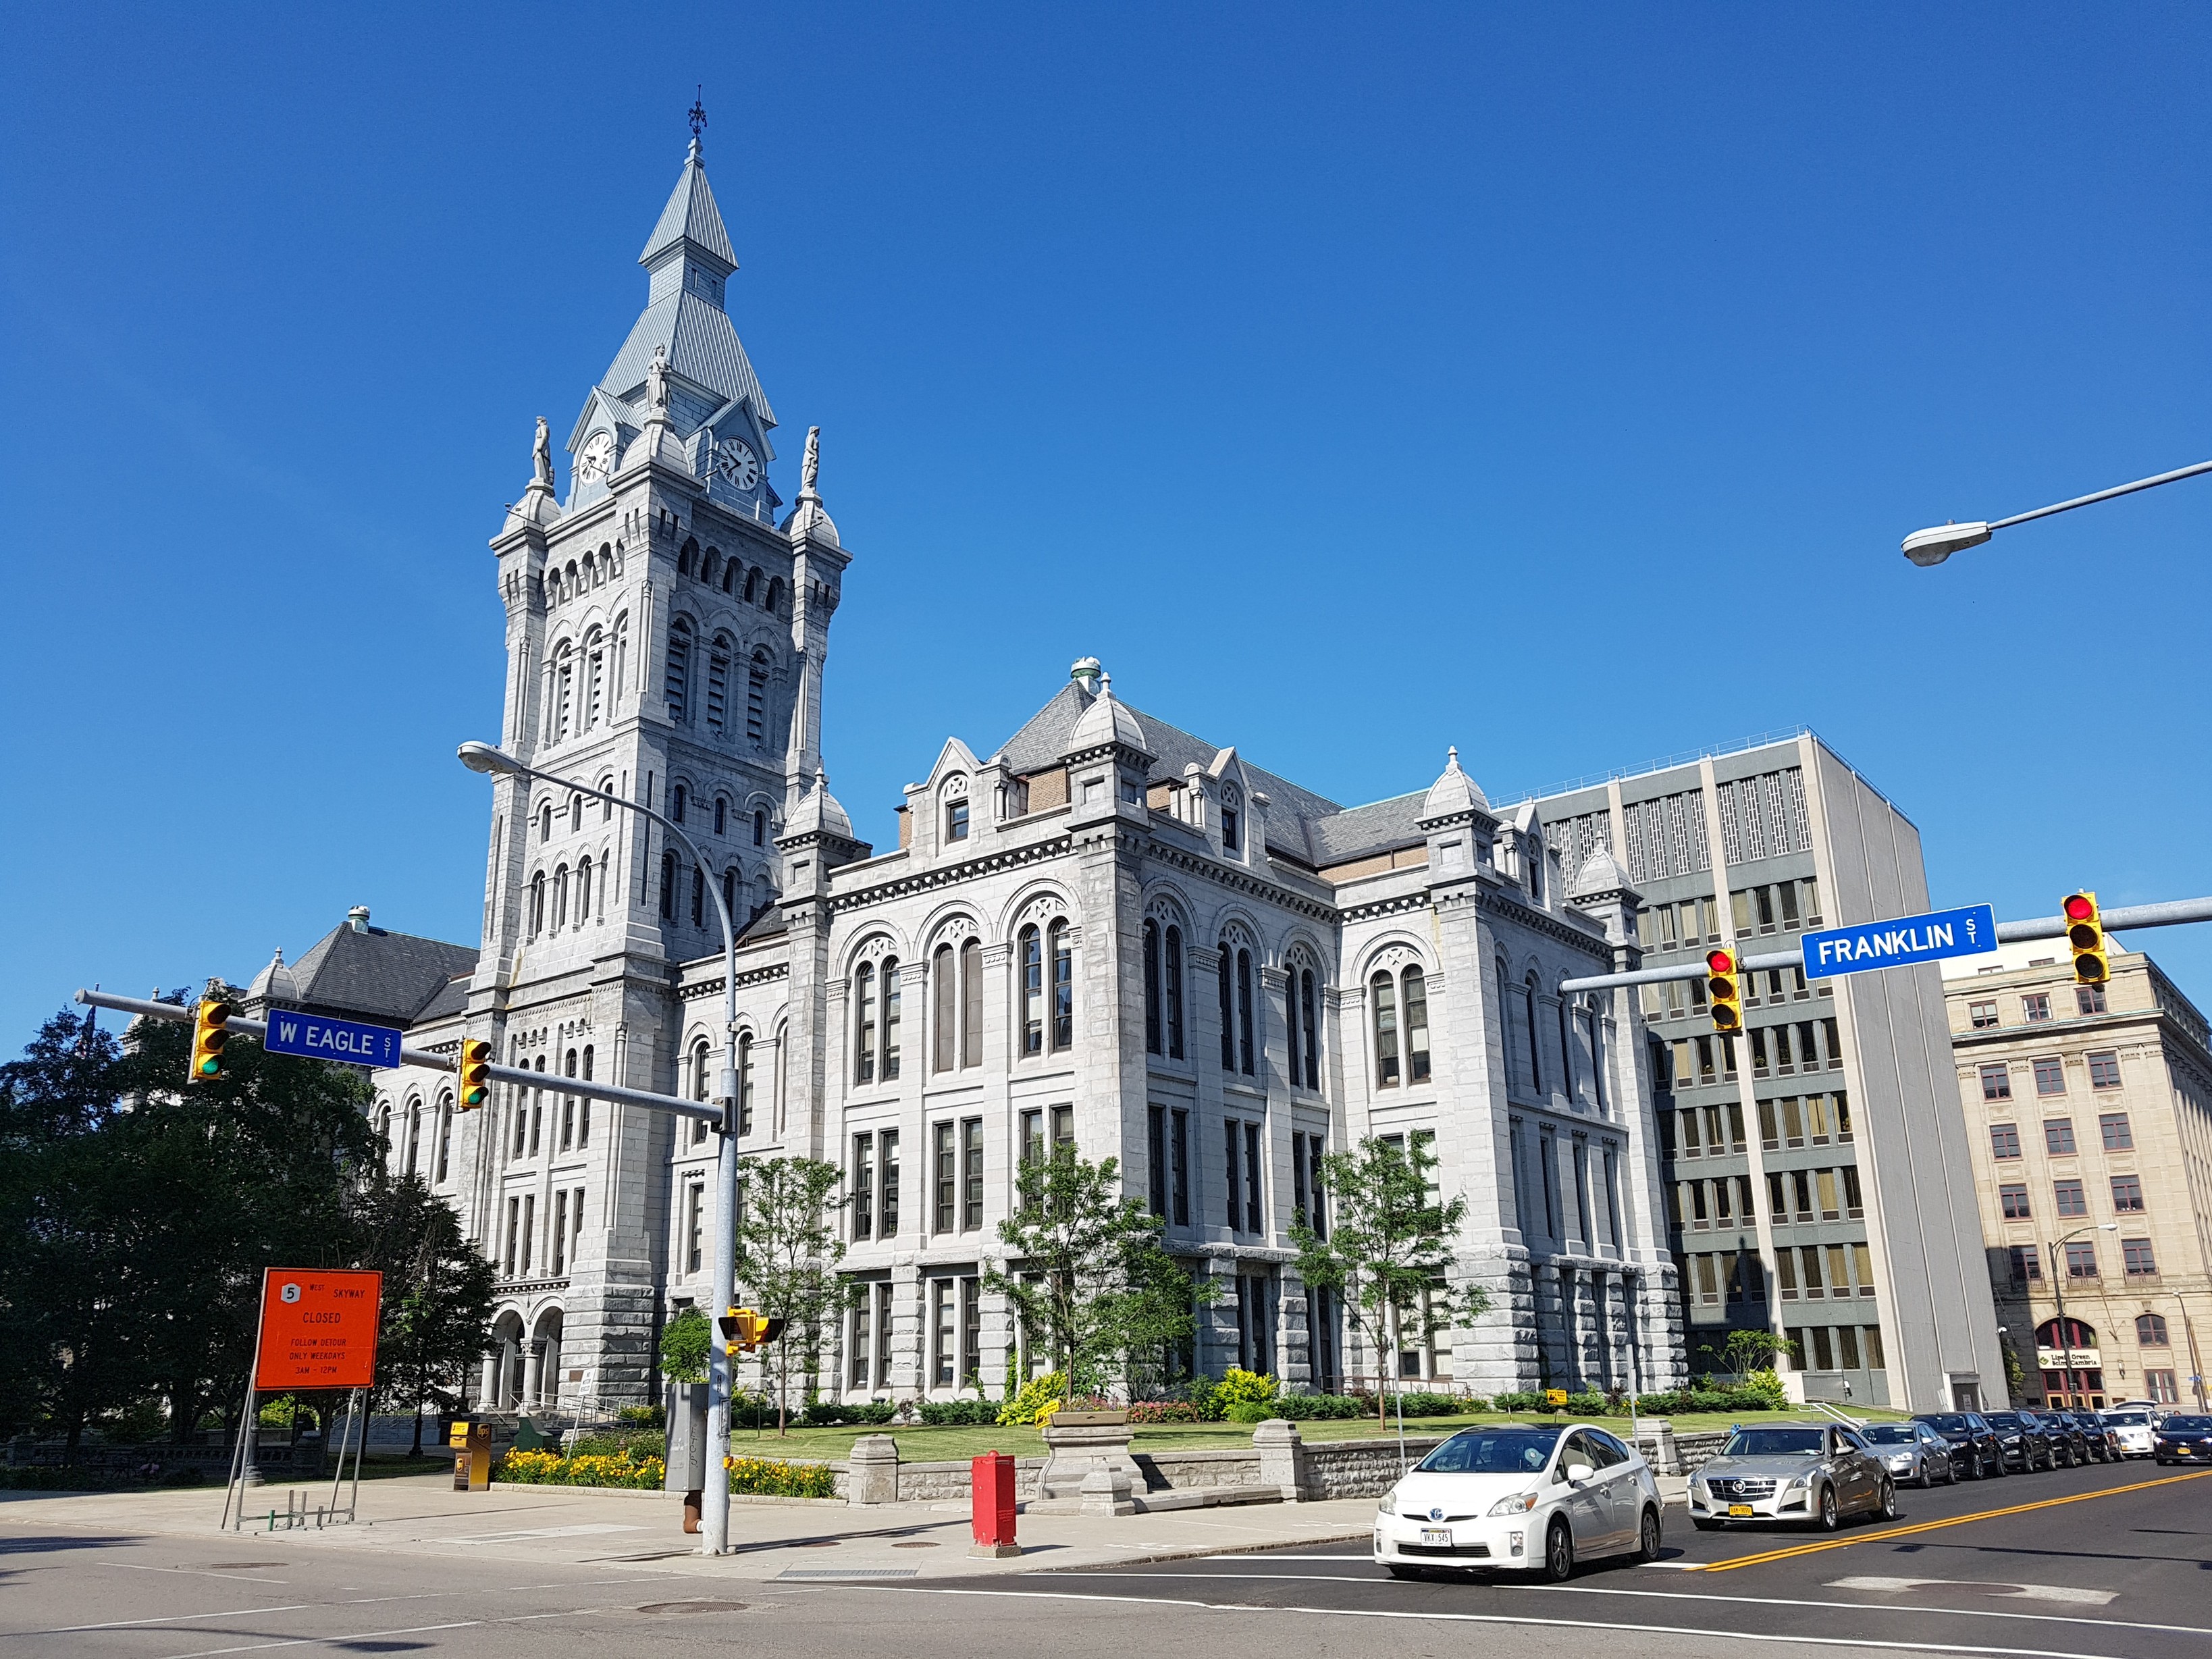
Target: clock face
<point>596,459</point>
<point>736,463</point>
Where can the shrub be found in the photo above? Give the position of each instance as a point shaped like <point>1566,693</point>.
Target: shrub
<point>1036,1401</point>
<point>774,1478</point>
<point>1250,1411</point>
<point>960,1410</point>
<point>639,1417</point>
<point>1162,1411</point>
<point>1315,1408</point>
<point>1420,1404</point>
<point>1520,1399</point>
<point>1239,1387</point>
<point>1765,1386</point>
<point>1204,1398</point>
<point>1590,1403</point>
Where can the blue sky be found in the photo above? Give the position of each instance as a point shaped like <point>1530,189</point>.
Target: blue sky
<point>1556,382</point>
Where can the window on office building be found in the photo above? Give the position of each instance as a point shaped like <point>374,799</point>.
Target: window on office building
<point>2113,1126</point>
<point>1997,1081</point>
<point>2105,1069</point>
<point>2004,1140</point>
<point>2059,1136</point>
<point>2127,1194</point>
<point>2070,1198</point>
<point>2081,1260</point>
<point>1982,1015</point>
<point>2035,1006</point>
<point>2135,1253</point>
<point>2013,1201</point>
<point>2049,1075</point>
<point>2026,1261</point>
<point>2089,998</point>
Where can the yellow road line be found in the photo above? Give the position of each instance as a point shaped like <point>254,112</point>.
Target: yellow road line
<point>1761,1558</point>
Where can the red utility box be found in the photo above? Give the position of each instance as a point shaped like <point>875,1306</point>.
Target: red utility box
<point>991,1494</point>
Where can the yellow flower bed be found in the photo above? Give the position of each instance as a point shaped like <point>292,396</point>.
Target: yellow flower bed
<point>774,1478</point>
<point>545,1468</point>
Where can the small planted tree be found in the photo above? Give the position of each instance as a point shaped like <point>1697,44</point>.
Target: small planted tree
<point>1748,1351</point>
<point>437,1299</point>
<point>1085,1273</point>
<point>1389,1245</point>
<point>788,1249</point>
<point>684,1346</point>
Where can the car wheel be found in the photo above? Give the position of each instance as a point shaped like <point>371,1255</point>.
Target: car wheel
<point>1647,1543</point>
<point>1560,1553</point>
<point>1829,1517</point>
<point>1885,1500</point>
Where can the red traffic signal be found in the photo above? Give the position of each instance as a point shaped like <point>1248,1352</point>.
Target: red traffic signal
<point>1724,994</point>
<point>2085,938</point>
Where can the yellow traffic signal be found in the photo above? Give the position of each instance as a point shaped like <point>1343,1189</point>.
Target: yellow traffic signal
<point>1723,991</point>
<point>210,1031</point>
<point>2085,936</point>
<point>476,1072</point>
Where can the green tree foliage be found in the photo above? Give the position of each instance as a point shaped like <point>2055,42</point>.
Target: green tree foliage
<point>1389,1247</point>
<point>684,1342</point>
<point>139,1210</point>
<point>1086,1275</point>
<point>1749,1350</point>
<point>437,1296</point>
<point>789,1244</point>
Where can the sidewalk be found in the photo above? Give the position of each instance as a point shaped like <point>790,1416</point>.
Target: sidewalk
<point>550,1525</point>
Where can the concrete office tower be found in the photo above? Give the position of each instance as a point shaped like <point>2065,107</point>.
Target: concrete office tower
<point>1816,1172</point>
<point>2087,1106</point>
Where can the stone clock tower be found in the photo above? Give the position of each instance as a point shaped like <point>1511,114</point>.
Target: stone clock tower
<point>664,638</point>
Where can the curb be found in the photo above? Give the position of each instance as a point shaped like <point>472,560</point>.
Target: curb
<point>1201,1553</point>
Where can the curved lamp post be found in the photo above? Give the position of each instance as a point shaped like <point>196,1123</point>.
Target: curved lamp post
<point>2058,1289</point>
<point>1933,546</point>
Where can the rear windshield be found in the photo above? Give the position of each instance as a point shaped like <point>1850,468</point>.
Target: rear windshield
<point>1492,1451</point>
<point>2127,1420</point>
<point>2187,1425</point>
<point>1773,1443</point>
<point>1889,1434</point>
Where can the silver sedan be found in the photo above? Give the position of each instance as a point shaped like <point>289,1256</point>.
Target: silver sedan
<point>1914,1453</point>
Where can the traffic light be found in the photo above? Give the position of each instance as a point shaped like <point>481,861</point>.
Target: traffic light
<point>210,1031</point>
<point>2085,936</point>
<point>744,1330</point>
<point>476,1072</point>
<point>1723,992</point>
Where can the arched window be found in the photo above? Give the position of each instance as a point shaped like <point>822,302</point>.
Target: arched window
<point>606,789</point>
<point>698,897</point>
<point>757,700</point>
<point>583,891</point>
<point>444,1137</point>
<point>760,826</point>
<point>1154,1034</point>
<point>568,1105</point>
<point>1030,945</point>
<point>1309,1002</point>
<point>1231,821</point>
<point>774,602</point>
<point>686,561</point>
<point>1414,987</point>
<point>595,683</point>
<point>2081,1334</point>
<point>668,886</point>
<point>414,1135</point>
<point>864,1023</point>
<point>1566,1052</point>
<point>1529,1035</point>
<point>564,688</point>
<point>1244,1046</point>
<point>699,1082</point>
<point>888,978</point>
<point>945,1011</point>
<point>584,1105</point>
<point>2150,1331</point>
<point>745,1083</point>
<point>1171,976</point>
<point>737,917</point>
<point>678,685</point>
<point>718,685</point>
<point>1063,988</point>
<point>1227,971</point>
<point>576,811</point>
<point>621,653</point>
<point>1295,1054</point>
<point>722,815</point>
<point>538,904</point>
<point>752,583</point>
<point>560,896</point>
<point>1382,992</point>
<point>545,822</point>
<point>677,802</point>
<point>730,577</point>
<point>384,1126</point>
<point>971,1003</point>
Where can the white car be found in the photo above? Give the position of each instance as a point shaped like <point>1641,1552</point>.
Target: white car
<point>2134,1428</point>
<point>1524,1499</point>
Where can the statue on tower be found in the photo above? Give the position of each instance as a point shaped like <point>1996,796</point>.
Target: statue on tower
<point>811,468</point>
<point>656,380</point>
<point>541,457</point>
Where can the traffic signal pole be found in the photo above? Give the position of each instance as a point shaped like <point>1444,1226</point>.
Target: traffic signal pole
<point>2124,919</point>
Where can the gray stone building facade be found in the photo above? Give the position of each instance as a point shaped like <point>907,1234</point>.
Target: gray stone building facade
<point>1103,927</point>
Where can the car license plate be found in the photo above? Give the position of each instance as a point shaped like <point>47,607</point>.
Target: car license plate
<point>1741,1508</point>
<point>1437,1537</point>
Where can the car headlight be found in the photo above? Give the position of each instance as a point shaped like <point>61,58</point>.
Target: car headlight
<point>1794,1482</point>
<point>1519,1503</point>
<point>1384,1505</point>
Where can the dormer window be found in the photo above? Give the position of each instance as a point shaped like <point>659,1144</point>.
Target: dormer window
<point>1232,830</point>
<point>955,820</point>
<point>677,804</point>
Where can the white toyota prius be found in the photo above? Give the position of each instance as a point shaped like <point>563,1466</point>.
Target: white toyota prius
<point>1521,1498</point>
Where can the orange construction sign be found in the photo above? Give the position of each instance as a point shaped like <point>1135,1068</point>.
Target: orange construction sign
<point>317,1328</point>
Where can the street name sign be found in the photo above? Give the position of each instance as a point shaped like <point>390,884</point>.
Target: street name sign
<point>317,1038</point>
<point>1971,931</point>
<point>317,1328</point>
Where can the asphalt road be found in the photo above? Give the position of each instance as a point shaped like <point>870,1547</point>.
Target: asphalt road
<point>2111,1562</point>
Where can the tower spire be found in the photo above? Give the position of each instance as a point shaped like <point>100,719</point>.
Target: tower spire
<point>698,119</point>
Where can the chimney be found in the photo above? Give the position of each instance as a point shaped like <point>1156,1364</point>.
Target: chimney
<point>357,918</point>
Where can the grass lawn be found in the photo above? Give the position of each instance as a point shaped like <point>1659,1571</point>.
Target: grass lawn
<point>921,1444</point>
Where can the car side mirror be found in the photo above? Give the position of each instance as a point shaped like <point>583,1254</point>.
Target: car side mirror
<point>1578,1473</point>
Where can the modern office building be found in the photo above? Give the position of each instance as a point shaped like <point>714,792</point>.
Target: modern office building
<point>2090,1114</point>
<point>1817,1178</point>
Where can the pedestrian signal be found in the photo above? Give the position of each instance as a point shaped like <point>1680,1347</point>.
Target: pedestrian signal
<point>476,1072</point>
<point>1724,992</point>
<point>744,1330</point>
<point>210,1031</point>
<point>2085,936</point>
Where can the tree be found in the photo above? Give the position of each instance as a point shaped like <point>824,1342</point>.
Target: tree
<point>686,1346</point>
<point>1088,1279</point>
<point>437,1296</point>
<point>788,1249</point>
<point>1389,1247</point>
<point>1748,1351</point>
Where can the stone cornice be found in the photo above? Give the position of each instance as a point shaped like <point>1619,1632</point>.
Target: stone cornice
<point>951,875</point>
<point>1237,880</point>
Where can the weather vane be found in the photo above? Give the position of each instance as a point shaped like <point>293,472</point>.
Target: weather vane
<point>699,113</point>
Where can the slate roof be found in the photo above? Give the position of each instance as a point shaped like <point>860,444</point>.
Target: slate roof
<point>392,979</point>
<point>690,217</point>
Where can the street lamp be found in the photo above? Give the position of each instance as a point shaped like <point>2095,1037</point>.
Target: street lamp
<point>1933,546</point>
<point>2058,1289</point>
<point>714,1508</point>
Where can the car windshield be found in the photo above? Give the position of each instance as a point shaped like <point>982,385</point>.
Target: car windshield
<point>2127,1420</point>
<point>2005,1419</point>
<point>2186,1425</point>
<point>1492,1451</point>
<point>1773,1443</point>
<point>1950,1423</point>
<point>1889,1434</point>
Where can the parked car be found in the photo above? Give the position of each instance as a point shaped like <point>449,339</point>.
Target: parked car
<point>2183,1440</point>
<point>2131,1430</point>
<point>2096,1440</point>
<point>1914,1453</point>
<point>1817,1473</point>
<point>2021,1436</point>
<point>2070,1439</point>
<point>1524,1499</point>
<point>1975,1453</point>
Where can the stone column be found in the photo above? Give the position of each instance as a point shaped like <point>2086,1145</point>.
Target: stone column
<point>873,1470</point>
<point>1282,1457</point>
<point>488,1386</point>
<point>533,1376</point>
